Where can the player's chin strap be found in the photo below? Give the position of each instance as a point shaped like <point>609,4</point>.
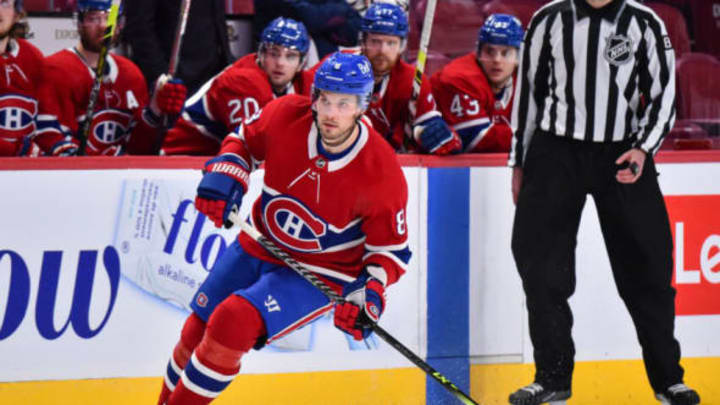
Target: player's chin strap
<point>234,216</point>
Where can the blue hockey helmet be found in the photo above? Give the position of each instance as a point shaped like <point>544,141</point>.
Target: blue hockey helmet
<point>345,73</point>
<point>87,5</point>
<point>385,18</point>
<point>288,33</point>
<point>501,29</point>
<point>18,6</point>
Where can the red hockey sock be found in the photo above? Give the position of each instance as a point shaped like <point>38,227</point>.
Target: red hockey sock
<point>232,330</point>
<point>190,337</point>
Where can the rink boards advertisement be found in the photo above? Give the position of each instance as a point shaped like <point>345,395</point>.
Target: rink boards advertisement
<point>97,268</point>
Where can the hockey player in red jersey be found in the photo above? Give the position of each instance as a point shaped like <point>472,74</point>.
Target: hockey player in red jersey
<point>122,122</point>
<point>242,89</point>
<point>382,39</point>
<point>334,198</point>
<point>21,65</point>
<point>475,91</point>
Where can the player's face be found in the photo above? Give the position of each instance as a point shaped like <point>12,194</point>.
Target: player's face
<point>498,62</point>
<point>8,17</point>
<point>383,52</point>
<point>91,29</point>
<point>336,116</point>
<point>281,64</point>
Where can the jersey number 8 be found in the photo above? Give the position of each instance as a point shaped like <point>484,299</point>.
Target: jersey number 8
<point>400,222</point>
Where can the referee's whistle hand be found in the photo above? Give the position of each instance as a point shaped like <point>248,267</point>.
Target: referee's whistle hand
<point>633,160</point>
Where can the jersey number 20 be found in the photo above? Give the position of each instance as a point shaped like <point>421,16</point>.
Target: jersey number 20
<point>249,107</point>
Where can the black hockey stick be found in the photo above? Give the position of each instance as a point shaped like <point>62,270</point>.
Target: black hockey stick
<point>173,64</point>
<point>84,130</point>
<point>335,297</point>
<point>179,34</point>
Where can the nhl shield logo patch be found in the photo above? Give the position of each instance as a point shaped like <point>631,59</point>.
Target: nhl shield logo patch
<point>618,49</point>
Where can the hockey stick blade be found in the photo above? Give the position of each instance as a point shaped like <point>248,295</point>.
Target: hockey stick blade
<point>266,243</point>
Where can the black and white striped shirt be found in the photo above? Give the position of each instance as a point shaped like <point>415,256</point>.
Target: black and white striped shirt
<point>598,75</point>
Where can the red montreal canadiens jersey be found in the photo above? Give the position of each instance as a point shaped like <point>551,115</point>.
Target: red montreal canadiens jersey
<point>335,214</point>
<point>390,105</point>
<point>20,74</point>
<point>117,120</point>
<point>221,104</point>
<point>469,106</point>
<point>249,60</point>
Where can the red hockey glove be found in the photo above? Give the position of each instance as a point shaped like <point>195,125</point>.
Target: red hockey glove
<point>169,96</point>
<point>221,189</point>
<point>363,305</point>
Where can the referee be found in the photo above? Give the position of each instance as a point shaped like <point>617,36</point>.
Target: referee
<point>595,97</point>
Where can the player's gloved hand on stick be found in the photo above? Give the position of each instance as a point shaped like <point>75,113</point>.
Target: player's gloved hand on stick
<point>168,97</point>
<point>66,147</point>
<point>224,182</point>
<point>364,303</point>
<point>436,137</point>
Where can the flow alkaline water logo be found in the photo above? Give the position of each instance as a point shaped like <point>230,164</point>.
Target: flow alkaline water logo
<point>18,299</point>
<point>212,243</point>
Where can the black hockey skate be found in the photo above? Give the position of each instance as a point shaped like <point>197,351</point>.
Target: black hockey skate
<point>678,394</point>
<point>536,394</point>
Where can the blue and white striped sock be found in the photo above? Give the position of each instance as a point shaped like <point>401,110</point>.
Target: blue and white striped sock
<point>204,381</point>
<point>172,374</point>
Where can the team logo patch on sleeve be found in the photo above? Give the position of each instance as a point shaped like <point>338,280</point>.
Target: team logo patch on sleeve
<point>201,300</point>
<point>618,49</point>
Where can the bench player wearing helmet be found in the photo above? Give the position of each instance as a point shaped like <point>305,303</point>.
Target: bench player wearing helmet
<point>475,91</point>
<point>243,89</point>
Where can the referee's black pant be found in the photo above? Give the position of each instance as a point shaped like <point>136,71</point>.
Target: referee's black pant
<point>558,174</point>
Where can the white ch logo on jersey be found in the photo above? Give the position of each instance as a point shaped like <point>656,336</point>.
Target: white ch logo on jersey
<point>293,224</point>
<point>107,131</point>
<point>271,304</point>
<point>13,118</point>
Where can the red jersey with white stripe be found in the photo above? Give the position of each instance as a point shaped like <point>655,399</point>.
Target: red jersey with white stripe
<point>468,105</point>
<point>221,104</point>
<point>390,106</point>
<point>118,117</point>
<point>335,213</point>
<point>20,74</point>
